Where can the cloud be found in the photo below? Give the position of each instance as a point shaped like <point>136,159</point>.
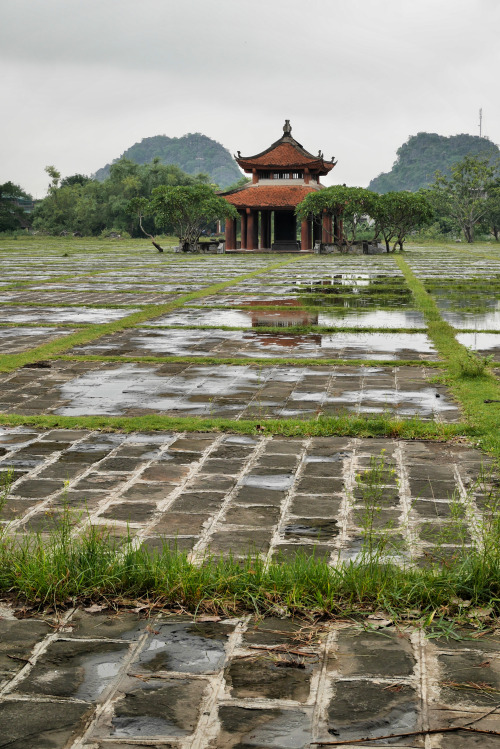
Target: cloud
<point>84,79</point>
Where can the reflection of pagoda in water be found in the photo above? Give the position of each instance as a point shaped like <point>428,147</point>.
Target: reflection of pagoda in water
<point>294,314</point>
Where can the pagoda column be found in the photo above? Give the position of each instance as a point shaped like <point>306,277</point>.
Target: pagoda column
<point>326,233</point>
<point>230,234</point>
<point>305,235</point>
<point>243,216</point>
<point>338,229</point>
<point>252,229</point>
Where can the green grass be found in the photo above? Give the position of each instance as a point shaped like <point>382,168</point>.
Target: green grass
<point>69,568</point>
<point>290,329</point>
<point>348,425</point>
<point>255,361</point>
<point>468,377</point>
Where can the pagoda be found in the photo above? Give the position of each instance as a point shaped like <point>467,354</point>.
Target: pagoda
<point>282,176</point>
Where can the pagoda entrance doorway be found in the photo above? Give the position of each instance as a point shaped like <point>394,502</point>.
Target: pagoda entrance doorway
<point>285,231</point>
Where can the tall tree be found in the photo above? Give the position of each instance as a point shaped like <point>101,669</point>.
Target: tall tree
<point>464,196</point>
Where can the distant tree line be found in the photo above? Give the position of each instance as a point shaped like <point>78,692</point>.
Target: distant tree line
<point>144,199</point>
<point>466,202</point>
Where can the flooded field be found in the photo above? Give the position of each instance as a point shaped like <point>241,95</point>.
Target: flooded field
<point>267,346</point>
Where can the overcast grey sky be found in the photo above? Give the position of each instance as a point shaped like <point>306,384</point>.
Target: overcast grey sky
<point>82,80</point>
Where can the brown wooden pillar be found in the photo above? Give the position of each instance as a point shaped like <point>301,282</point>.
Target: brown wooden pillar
<point>264,230</point>
<point>305,235</point>
<point>326,233</point>
<point>250,229</point>
<point>243,216</point>
<point>338,229</point>
<point>230,234</point>
<point>250,223</point>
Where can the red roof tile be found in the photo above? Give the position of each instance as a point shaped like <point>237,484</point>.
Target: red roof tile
<point>283,155</point>
<point>269,196</point>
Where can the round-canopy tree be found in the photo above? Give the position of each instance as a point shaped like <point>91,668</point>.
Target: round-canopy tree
<point>396,214</point>
<point>347,204</point>
<point>189,211</point>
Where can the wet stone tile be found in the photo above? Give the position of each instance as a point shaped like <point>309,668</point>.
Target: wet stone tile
<point>364,708</point>
<point>154,708</point>
<point>130,512</point>
<point>256,516</point>
<point>181,523</point>
<point>164,544</point>
<point>276,677</point>
<point>386,654</point>
<point>105,625</point>
<point>315,506</point>
<point>283,552</point>
<point>469,678</point>
<point>249,495</point>
<point>240,542</point>
<point>198,502</point>
<point>186,647</point>
<point>17,640</point>
<point>79,669</point>
<point>312,528</point>
<point>38,488</point>
<point>242,727</point>
<point>54,724</point>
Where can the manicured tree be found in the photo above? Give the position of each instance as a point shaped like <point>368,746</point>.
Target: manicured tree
<point>464,195</point>
<point>396,214</point>
<point>12,215</point>
<point>189,210</point>
<point>347,204</point>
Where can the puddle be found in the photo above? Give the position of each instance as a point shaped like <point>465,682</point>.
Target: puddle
<point>486,343</point>
<point>336,458</point>
<point>375,318</point>
<point>180,342</point>
<point>276,482</point>
<point>143,725</point>
<point>61,314</point>
<point>187,647</point>
<point>115,391</point>
<point>422,402</point>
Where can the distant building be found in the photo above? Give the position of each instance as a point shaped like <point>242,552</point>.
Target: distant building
<point>282,176</point>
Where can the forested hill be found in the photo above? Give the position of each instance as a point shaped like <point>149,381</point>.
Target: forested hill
<point>422,155</point>
<point>193,153</point>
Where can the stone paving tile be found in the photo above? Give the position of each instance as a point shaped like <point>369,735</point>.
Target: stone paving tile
<point>173,681</point>
<point>13,340</point>
<point>76,315</point>
<point>83,388</point>
<point>232,494</point>
<point>228,344</point>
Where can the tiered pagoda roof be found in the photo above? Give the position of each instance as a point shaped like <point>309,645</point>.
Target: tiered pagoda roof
<point>269,196</point>
<point>286,153</point>
<point>283,175</point>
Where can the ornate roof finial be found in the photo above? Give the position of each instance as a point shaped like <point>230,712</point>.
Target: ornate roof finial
<point>287,128</point>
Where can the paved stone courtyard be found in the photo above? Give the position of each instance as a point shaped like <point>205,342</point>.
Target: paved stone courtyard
<point>102,680</point>
<point>289,338</point>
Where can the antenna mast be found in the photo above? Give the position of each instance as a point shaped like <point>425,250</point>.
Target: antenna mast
<point>481,122</point>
